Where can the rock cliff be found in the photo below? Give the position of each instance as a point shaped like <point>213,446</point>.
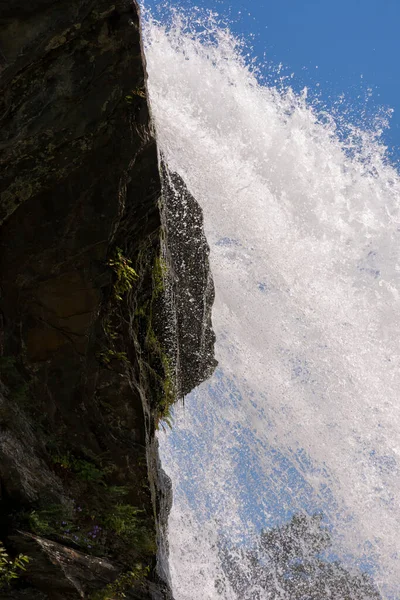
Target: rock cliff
<point>105,304</point>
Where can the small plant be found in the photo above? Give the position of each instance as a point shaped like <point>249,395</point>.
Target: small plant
<point>168,392</point>
<point>168,396</point>
<point>128,523</point>
<point>125,274</point>
<point>76,526</point>
<point>39,523</point>
<point>118,490</point>
<point>166,420</point>
<point>124,520</point>
<point>108,329</point>
<point>47,521</point>
<point>118,589</point>
<point>10,569</point>
<point>84,469</point>
<point>136,92</point>
<point>88,471</point>
<point>169,381</point>
<point>109,355</point>
<point>63,460</point>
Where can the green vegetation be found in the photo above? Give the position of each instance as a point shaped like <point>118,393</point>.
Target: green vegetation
<point>76,525</point>
<point>136,92</point>
<point>118,490</point>
<point>109,355</point>
<point>124,520</point>
<point>160,364</point>
<point>108,329</point>
<point>125,277</point>
<point>10,569</point>
<point>166,420</point>
<point>116,590</point>
<point>39,523</point>
<point>124,272</point>
<point>127,522</point>
<point>88,470</point>
<point>49,521</point>
<point>84,469</point>
<point>159,272</point>
<point>96,528</point>
<point>169,381</point>
<point>167,394</point>
<point>96,522</point>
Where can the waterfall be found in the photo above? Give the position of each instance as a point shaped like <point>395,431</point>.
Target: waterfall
<point>302,417</point>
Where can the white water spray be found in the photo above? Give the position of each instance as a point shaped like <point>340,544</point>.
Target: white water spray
<point>304,230</point>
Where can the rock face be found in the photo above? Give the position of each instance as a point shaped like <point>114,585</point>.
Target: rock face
<point>192,287</point>
<point>98,293</point>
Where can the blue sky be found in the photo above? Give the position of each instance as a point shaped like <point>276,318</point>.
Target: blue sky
<point>354,43</point>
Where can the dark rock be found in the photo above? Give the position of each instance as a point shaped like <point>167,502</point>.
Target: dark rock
<point>65,571</point>
<point>88,375</point>
<point>23,472</point>
<point>192,284</point>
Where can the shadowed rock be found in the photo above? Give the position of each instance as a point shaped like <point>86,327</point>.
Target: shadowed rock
<point>86,372</point>
<point>192,287</point>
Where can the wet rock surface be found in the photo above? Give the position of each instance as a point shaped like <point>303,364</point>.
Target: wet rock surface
<point>89,282</point>
<point>192,286</point>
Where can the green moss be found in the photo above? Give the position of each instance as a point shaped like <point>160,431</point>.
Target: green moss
<point>169,388</point>
<point>160,364</point>
<point>160,270</point>
<point>167,393</point>
<point>169,379</point>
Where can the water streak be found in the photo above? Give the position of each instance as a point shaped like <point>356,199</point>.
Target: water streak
<point>304,229</point>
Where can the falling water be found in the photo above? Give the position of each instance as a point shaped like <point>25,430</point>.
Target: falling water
<point>302,414</point>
